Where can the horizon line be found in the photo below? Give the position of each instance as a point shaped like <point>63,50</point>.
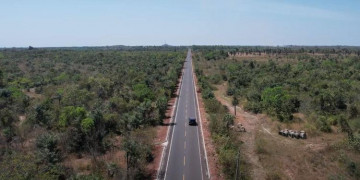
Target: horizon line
<point>169,45</point>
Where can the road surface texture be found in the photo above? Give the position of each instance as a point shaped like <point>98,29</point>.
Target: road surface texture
<point>184,158</point>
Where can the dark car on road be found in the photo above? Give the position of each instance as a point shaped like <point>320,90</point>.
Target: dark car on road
<point>192,121</point>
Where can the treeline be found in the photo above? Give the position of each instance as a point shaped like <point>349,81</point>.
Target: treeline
<point>78,100</point>
<point>221,52</point>
<point>344,50</point>
<point>102,48</point>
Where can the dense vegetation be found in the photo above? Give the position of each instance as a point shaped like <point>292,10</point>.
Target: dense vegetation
<point>322,83</point>
<point>58,102</point>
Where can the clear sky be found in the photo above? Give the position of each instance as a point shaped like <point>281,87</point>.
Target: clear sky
<point>43,23</point>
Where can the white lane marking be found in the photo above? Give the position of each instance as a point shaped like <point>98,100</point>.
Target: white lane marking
<point>172,136</point>
<point>194,89</point>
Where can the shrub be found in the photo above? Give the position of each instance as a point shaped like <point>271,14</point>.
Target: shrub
<point>71,115</point>
<point>215,79</point>
<point>230,91</point>
<point>207,94</point>
<point>74,140</point>
<point>228,120</point>
<point>253,106</point>
<point>87,124</point>
<point>212,105</point>
<point>47,148</point>
<point>322,124</point>
<point>353,169</point>
<point>276,101</point>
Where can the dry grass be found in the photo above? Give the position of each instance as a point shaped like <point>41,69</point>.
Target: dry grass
<point>321,156</point>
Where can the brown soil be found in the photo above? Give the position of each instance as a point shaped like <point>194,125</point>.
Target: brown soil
<point>214,165</point>
<point>252,125</point>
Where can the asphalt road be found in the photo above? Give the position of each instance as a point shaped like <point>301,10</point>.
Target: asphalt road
<point>185,157</point>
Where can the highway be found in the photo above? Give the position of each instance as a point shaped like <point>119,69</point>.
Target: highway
<point>185,156</point>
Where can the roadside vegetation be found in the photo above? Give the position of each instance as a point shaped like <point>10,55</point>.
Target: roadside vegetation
<point>83,112</point>
<point>309,88</point>
<point>226,142</point>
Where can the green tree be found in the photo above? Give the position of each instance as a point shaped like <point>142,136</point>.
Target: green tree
<point>87,124</point>
<point>142,92</point>
<point>207,94</point>
<point>47,148</point>
<point>276,102</point>
<point>72,115</point>
<point>161,104</point>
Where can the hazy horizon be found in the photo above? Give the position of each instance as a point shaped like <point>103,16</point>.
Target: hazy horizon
<point>43,23</point>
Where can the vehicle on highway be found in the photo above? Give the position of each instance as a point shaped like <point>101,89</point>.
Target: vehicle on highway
<point>192,121</point>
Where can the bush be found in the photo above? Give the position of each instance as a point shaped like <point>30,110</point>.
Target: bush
<point>74,140</point>
<point>207,94</point>
<point>253,106</point>
<point>230,91</point>
<point>47,148</point>
<point>277,102</point>
<point>353,169</point>
<point>212,105</point>
<point>322,124</point>
<point>215,79</point>
<point>87,124</point>
<point>228,120</point>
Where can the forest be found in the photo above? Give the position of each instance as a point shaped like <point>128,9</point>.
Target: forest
<point>61,104</point>
<point>312,88</point>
